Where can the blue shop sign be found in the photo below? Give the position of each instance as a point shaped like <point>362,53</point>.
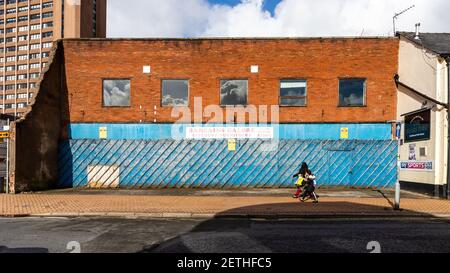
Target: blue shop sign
<point>418,126</point>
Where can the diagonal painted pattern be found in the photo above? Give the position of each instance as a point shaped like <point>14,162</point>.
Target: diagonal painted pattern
<point>209,164</point>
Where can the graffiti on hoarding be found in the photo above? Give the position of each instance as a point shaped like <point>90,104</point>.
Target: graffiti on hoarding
<point>426,166</point>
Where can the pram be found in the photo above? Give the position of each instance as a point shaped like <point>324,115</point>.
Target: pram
<point>309,189</point>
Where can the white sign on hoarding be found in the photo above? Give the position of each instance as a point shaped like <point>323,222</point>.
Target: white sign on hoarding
<point>229,133</point>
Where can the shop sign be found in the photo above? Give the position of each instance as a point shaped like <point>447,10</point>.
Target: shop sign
<point>229,133</point>
<point>4,135</point>
<point>418,126</point>
<point>425,166</point>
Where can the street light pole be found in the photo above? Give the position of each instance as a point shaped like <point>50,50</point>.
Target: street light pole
<point>397,183</point>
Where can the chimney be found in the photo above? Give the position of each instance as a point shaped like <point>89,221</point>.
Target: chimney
<point>417,37</point>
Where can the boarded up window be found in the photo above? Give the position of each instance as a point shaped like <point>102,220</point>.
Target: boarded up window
<point>352,92</point>
<point>233,92</point>
<point>175,93</point>
<point>293,93</point>
<point>116,93</point>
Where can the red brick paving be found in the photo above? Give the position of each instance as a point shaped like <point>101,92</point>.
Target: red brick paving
<point>208,206</point>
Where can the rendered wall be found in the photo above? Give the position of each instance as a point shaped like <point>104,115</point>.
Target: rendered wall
<point>425,72</point>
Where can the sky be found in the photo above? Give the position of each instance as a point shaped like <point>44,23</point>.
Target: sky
<point>272,18</point>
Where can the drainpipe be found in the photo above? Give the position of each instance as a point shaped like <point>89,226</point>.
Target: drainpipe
<point>448,126</point>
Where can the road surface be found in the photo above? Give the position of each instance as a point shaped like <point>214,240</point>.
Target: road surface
<point>116,235</point>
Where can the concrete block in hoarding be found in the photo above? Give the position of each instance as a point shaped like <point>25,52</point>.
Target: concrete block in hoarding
<point>103,176</point>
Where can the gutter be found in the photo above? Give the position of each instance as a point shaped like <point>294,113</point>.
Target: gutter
<point>399,83</point>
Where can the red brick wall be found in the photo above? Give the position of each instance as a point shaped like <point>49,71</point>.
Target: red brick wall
<point>205,62</point>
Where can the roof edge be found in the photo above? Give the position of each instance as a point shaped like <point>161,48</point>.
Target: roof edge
<point>233,38</point>
<point>414,41</point>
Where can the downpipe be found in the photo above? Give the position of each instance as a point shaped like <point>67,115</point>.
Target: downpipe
<point>397,183</point>
<point>448,127</point>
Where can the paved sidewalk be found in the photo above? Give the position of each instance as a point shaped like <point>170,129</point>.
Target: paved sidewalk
<point>193,206</point>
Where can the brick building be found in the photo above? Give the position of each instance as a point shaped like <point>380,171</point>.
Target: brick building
<point>107,109</point>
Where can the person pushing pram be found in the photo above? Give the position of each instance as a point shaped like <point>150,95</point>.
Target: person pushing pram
<point>306,184</point>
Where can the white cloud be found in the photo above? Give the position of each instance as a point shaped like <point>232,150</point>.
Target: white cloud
<point>156,18</point>
<point>198,18</point>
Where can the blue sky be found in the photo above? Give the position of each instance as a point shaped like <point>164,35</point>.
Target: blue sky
<point>269,5</point>
<point>272,18</point>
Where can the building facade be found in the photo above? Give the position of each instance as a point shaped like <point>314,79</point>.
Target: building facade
<point>211,113</point>
<point>423,111</point>
<point>28,29</point>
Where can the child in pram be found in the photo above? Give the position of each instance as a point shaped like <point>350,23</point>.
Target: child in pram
<point>306,184</point>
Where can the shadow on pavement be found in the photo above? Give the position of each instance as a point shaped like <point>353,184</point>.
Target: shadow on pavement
<point>386,197</point>
<point>25,250</point>
<point>297,209</point>
<point>231,231</point>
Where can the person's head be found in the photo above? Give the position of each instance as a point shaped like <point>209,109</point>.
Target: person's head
<point>304,166</point>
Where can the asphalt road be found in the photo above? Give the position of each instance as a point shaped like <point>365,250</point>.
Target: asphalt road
<point>92,235</point>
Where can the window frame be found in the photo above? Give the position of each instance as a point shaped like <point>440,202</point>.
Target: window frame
<point>233,105</point>
<point>175,79</point>
<point>364,92</point>
<point>293,80</point>
<point>103,89</point>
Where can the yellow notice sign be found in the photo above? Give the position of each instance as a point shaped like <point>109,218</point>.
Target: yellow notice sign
<point>103,132</point>
<point>344,133</point>
<point>4,135</point>
<point>232,145</point>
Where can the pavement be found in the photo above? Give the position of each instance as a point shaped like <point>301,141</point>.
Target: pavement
<point>218,204</point>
